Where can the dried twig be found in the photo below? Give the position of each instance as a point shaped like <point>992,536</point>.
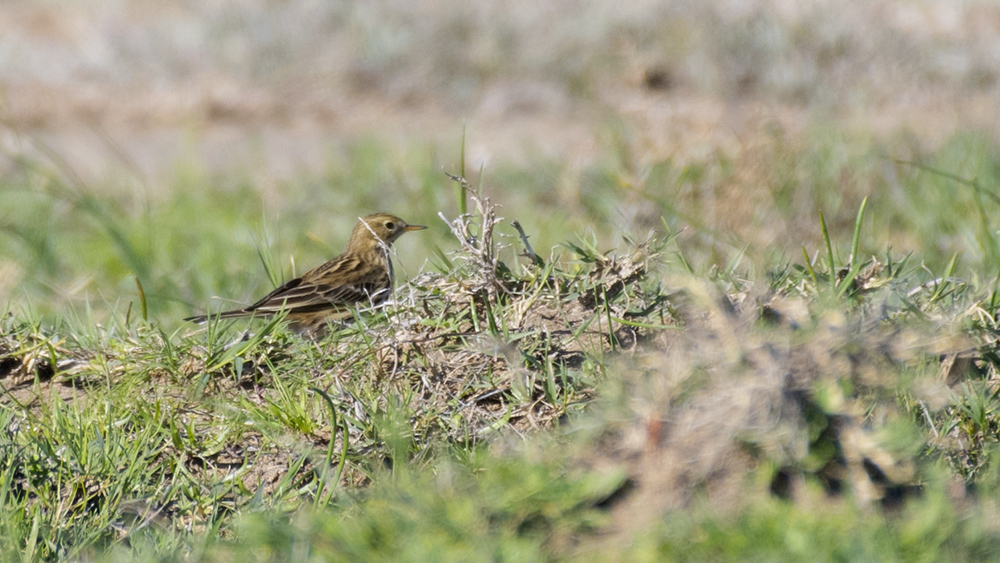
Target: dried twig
<point>530,252</point>
<point>481,251</point>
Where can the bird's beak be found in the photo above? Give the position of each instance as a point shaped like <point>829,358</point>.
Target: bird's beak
<point>414,228</point>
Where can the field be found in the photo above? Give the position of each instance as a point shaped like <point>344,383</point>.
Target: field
<point>702,281</point>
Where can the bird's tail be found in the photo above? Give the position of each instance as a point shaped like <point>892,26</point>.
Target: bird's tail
<point>234,314</point>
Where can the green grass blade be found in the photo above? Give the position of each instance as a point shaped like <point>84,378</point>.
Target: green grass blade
<point>829,252</point>
<point>809,268</point>
<point>460,195</point>
<point>142,299</point>
<point>857,231</point>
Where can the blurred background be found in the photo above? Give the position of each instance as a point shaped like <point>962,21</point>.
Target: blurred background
<point>213,148</point>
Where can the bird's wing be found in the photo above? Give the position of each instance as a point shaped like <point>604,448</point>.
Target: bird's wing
<point>298,296</point>
<point>338,284</point>
<point>319,290</point>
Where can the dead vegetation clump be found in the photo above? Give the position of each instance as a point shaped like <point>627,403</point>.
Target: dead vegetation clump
<point>485,348</point>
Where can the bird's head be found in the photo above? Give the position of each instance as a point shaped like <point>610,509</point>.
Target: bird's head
<point>379,228</point>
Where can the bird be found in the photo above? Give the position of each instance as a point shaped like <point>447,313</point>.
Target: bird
<point>361,276</point>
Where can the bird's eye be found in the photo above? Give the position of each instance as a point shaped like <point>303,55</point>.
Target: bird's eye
<point>390,225</point>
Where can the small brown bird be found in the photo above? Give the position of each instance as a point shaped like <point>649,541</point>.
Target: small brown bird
<point>361,276</point>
